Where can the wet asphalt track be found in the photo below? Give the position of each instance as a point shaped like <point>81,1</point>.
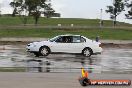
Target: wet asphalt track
<point>112,60</point>
<point>54,80</point>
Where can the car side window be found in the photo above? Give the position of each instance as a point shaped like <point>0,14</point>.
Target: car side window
<point>67,39</point>
<point>76,39</point>
<point>64,39</point>
<point>83,40</point>
<point>60,40</point>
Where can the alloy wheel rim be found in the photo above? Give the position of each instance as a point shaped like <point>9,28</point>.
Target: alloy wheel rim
<point>86,52</point>
<point>44,51</point>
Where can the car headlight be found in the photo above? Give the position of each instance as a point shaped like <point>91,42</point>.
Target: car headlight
<point>28,45</point>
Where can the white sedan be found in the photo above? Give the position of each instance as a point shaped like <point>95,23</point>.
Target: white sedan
<point>75,44</point>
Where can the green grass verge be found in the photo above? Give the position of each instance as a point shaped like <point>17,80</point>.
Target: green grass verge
<point>105,33</point>
<point>116,34</point>
<point>54,21</point>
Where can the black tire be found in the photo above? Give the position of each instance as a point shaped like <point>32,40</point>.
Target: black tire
<point>85,81</point>
<point>44,51</point>
<point>87,52</point>
<point>36,54</point>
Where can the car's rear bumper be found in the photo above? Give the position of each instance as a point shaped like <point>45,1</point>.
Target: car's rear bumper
<point>97,50</point>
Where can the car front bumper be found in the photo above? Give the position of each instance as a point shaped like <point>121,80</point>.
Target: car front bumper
<point>31,48</point>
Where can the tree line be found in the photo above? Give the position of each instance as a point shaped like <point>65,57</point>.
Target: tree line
<point>36,8</point>
<point>119,6</point>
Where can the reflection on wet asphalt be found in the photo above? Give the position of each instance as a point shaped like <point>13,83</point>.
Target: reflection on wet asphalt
<point>112,60</point>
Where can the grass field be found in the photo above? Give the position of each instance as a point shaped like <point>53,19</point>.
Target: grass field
<point>116,34</point>
<point>122,32</point>
<point>63,21</point>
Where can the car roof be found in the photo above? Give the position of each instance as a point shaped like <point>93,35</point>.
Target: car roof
<point>69,35</point>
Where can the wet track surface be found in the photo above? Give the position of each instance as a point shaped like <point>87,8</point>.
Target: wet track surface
<point>112,60</point>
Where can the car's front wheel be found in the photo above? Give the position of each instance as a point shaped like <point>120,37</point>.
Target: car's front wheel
<point>87,52</point>
<point>36,54</point>
<point>44,51</point>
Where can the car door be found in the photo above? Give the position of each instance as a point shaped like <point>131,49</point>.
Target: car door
<point>77,44</point>
<point>60,45</point>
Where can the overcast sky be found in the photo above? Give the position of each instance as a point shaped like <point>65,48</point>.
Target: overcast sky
<point>75,8</point>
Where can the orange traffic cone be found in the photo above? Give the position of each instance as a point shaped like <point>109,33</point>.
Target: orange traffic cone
<point>84,73</point>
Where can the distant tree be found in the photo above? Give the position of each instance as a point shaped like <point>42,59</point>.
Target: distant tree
<point>115,9</point>
<point>15,5</point>
<point>48,12</point>
<point>129,13</point>
<point>32,8</point>
<point>0,13</point>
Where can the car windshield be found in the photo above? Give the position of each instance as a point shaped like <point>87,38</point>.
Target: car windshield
<point>53,39</point>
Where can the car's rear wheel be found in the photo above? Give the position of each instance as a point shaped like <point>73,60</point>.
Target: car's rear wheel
<point>44,51</point>
<point>87,52</point>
